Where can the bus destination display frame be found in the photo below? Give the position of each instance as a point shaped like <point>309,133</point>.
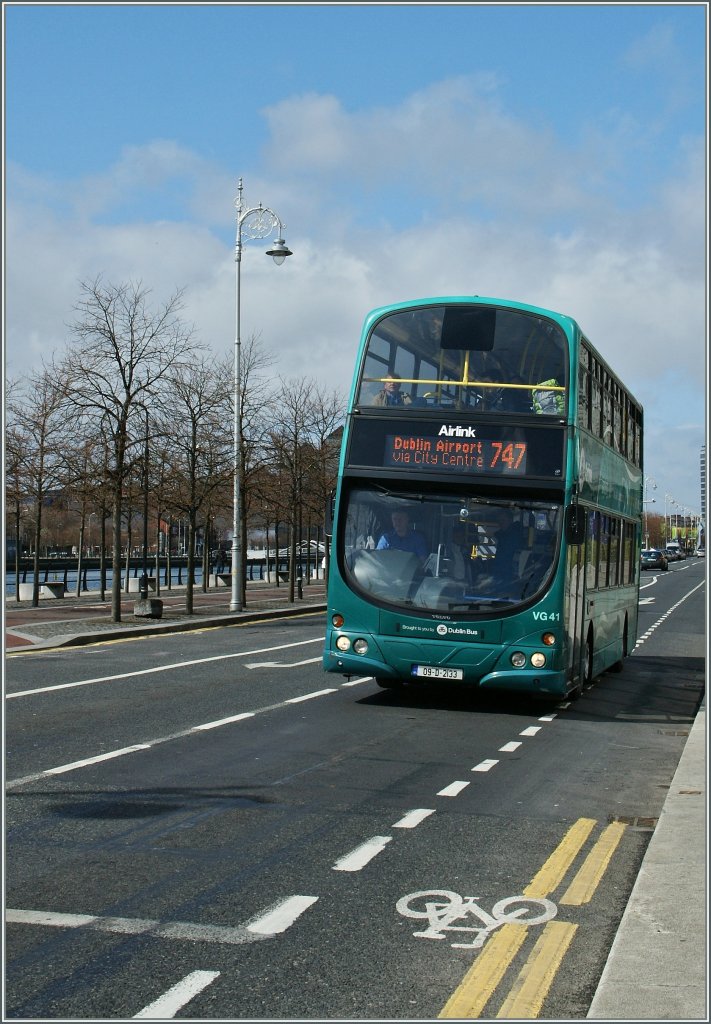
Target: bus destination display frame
<point>448,449</point>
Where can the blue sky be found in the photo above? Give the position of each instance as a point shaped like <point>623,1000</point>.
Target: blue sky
<point>547,153</point>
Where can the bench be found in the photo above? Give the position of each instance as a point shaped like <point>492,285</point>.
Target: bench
<point>151,608</point>
<point>46,590</point>
<point>283,577</point>
<point>220,579</point>
<point>134,584</point>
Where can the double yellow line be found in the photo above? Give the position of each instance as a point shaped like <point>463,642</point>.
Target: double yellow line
<point>531,987</point>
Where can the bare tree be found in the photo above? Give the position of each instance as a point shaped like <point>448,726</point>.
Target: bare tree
<point>303,416</point>
<point>38,408</point>
<point>120,354</point>
<point>198,448</point>
<point>255,389</point>
<point>16,445</point>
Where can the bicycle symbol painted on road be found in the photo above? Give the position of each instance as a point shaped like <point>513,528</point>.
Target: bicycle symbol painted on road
<point>442,907</point>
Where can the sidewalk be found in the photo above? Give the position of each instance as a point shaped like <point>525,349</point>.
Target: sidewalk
<point>656,969</point>
<point>72,621</point>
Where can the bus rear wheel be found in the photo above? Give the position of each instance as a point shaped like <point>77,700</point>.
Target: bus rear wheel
<point>588,666</point>
<point>584,678</point>
<point>619,665</point>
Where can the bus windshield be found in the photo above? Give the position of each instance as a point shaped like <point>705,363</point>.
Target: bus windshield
<point>465,357</point>
<point>448,552</point>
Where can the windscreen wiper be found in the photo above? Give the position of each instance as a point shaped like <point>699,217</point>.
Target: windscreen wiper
<point>478,602</point>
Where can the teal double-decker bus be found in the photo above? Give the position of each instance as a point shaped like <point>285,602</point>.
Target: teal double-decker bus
<point>487,518</point>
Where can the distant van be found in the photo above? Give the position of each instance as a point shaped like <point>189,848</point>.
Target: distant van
<point>675,548</point>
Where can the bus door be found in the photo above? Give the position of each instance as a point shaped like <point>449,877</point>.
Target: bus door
<point>574,606</point>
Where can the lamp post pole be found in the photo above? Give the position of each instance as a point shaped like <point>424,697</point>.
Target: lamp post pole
<point>260,221</point>
<point>647,501</point>
<point>667,501</point>
<point>144,575</point>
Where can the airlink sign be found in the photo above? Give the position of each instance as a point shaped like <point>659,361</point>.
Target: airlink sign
<point>456,431</point>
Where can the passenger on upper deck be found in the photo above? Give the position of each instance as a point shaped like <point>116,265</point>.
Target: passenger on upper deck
<point>496,394</point>
<point>390,393</point>
<point>547,401</point>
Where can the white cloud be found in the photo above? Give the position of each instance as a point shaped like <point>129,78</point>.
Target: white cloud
<point>444,193</point>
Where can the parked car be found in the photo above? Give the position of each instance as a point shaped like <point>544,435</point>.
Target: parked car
<point>672,554</point>
<point>653,558</point>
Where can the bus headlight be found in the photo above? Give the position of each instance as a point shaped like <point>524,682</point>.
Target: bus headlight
<point>343,643</point>
<point>538,659</point>
<point>518,659</point>
<point>360,646</point>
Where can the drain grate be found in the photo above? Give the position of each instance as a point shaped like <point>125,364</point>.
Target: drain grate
<point>634,820</point>
<point>673,732</point>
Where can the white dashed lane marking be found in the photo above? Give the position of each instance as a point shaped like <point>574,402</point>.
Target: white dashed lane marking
<point>172,1001</point>
<point>413,818</point>
<point>363,854</point>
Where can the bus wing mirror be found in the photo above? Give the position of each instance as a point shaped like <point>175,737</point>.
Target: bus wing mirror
<point>575,525</point>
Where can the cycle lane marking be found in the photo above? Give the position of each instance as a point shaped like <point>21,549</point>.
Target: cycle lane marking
<point>488,970</point>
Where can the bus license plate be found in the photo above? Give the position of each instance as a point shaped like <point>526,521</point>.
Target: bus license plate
<point>437,672</point>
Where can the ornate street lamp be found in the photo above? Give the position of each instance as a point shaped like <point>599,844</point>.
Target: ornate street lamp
<point>257,222</point>
<point>647,501</point>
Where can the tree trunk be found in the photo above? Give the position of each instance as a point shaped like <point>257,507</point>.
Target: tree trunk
<point>116,557</point>
<point>168,563</point>
<point>80,555</point>
<point>128,549</point>
<point>206,554</point>
<point>17,551</point>
<point>102,555</point>
<point>191,563</point>
<point>292,561</point>
<point>35,564</point>
<point>159,536</point>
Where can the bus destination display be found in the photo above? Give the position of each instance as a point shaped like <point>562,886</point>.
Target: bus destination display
<point>460,455</point>
<point>514,451</point>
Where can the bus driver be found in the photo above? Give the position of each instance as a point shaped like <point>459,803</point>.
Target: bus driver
<point>401,537</point>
